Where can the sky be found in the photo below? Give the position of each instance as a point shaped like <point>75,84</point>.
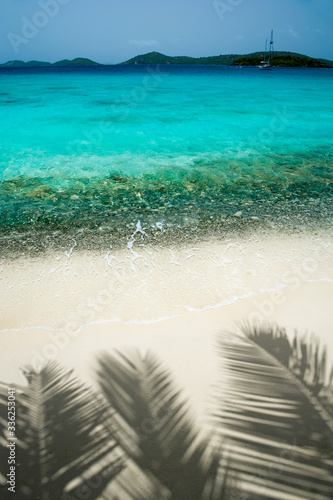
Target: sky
<point>110,31</point>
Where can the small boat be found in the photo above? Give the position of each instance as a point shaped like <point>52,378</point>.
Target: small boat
<point>265,64</point>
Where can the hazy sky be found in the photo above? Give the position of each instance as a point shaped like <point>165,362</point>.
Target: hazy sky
<point>111,31</point>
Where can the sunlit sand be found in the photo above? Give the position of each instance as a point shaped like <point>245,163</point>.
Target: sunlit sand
<point>173,301</point>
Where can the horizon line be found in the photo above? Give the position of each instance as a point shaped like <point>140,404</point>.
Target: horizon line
<point>156,52</point>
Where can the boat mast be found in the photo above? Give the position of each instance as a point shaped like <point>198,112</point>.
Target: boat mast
<point>271,48</point>
<point>265,52</point>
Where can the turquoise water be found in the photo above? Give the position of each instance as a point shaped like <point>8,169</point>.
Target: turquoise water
<point>185,147</point>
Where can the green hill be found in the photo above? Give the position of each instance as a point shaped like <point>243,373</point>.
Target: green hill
<point>158,58</point>
<point>280,59</point>
<point>283,59</point>
<point>326,61</point>
<point>79,61</point>
<point>22,64</point>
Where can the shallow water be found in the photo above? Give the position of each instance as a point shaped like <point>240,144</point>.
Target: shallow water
<point>87,153</point>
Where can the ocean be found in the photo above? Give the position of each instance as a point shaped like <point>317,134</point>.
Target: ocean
<point>150,218</point>
<point>92,154</point>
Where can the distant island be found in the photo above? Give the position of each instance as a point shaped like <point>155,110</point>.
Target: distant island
<point>79,61</point>
<point>281,59</point>
<point>289,59</point>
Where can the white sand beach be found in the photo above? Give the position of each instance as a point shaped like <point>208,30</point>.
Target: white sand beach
<point>175,301</point>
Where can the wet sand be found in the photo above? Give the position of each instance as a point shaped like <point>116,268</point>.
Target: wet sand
<point>70,306</point>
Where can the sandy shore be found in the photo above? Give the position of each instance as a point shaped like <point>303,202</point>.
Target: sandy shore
<point>174,301</point>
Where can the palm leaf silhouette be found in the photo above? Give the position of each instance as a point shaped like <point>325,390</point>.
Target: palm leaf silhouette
<point>302,356</point>
<point>155,430</point>
<point>63,448</point>
<point>280,437</point>
<point>276,434</point>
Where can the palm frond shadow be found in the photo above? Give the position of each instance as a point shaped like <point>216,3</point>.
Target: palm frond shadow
<point>279,435</point>
<point>302,356</point>
<point>63,448</point>
<point>156,431</point>
<point>137,440</point>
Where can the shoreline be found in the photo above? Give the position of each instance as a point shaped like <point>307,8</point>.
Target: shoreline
<point>155,233</point>
<point>211,273</point>
<point>173,301</point>
<point>216,196</point>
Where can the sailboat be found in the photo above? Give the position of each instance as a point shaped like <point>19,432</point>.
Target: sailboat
<point>265,64</point>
